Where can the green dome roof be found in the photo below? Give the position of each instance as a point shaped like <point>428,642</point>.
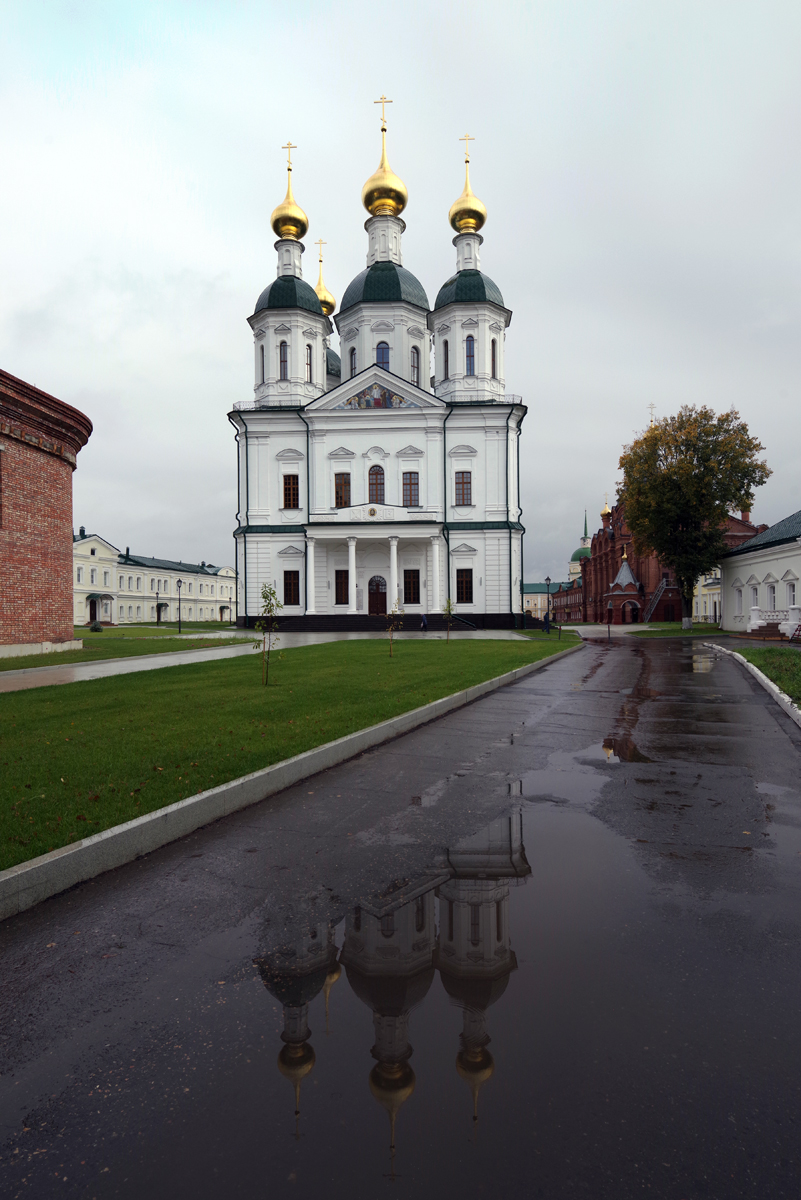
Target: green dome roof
<point>582,552</point>
<point>469,286</point>
<point>384,281</point>
<point>333,363</point>
<point>288,292</point>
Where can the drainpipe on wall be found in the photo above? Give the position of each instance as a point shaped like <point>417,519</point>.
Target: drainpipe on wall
<point>508,521</point>
<point>308,520</point>
<point>522,532</point>
<point>445,529</point>
<point>238,516</point>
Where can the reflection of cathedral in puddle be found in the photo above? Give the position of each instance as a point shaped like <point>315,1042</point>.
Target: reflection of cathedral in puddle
<point>391,952</point>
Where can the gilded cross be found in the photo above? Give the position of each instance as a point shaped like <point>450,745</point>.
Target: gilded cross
<point>651,408</point>
<point>289,148</point>
<point>321,243</point>
<point>467,139</point>
<point>382,102</point>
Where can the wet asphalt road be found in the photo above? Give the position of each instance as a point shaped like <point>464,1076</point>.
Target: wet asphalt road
<point>631,1007</point>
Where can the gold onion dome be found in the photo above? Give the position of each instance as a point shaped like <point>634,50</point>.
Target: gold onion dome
<point>475,1065</point>
<point>328,304</point>
<point>384,194</point>
<point>295,1062</point>
<point>467,214</point>
<point>289,220</point>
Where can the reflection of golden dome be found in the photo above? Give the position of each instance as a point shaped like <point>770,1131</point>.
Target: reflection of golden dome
<point>328,304</point>
<point>384,193</point>
<point>467,214</point>
<point>334,974</point>
<point>294,1062</point>
<point>289,220</point>
<point>475,1065</point>
<point>392,1084</point>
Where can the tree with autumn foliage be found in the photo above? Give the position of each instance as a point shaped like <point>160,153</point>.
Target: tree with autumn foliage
<point>681,480</point>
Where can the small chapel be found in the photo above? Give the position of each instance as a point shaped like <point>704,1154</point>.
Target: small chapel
<point>384,477</point>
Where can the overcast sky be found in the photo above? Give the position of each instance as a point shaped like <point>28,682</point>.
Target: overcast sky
<point>639,162</point>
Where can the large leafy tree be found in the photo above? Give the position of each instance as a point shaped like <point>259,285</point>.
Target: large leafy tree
<point>681,479</point>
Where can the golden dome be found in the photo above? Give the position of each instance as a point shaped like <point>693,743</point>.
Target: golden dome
<point>384,194</point>
<point>289,220</point>
<point>467,214</point>
<point>606,510</point>
<point>328,304</point>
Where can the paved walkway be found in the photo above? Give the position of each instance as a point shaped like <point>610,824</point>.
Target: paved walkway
<point>642,1038</point>
<point>35,677</point>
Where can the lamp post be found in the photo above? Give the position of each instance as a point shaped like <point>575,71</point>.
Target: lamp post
<point>179,583</point>
<point>548,601</point>
<point>158,610</point>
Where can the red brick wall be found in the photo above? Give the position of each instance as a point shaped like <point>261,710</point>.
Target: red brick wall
<point>40,438</point>
<point>35,545</point>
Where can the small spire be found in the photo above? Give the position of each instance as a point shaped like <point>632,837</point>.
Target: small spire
<point>327,301</point>
<point>651,407</point>
<point>585,522</point>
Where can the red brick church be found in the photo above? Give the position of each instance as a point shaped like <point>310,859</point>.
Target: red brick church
<point>635,588</point>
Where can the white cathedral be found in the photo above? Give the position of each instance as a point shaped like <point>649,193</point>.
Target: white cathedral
<point>389,478</point>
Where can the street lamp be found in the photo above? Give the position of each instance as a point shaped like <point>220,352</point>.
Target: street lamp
<point>179,583</point>
<point>548,610</point>
<point>158,609</point>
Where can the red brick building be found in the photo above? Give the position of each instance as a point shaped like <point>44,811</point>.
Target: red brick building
<point>636,587</point>
<point>40,437</point>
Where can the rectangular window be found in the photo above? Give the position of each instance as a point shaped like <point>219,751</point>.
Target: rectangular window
<point>411,489</point>
<point>342,491</point>
<point>291,587</point>
<point>130,612</point>
<point>122,582</point>
<point>190,589</point>
<point>152,585</point>
<point>464,488</point>
<point>411,587</point>
<point>166,586</point>
<point>790,595</point>
<point>106,579</point>
<point>771,597</point>
<point>341,585</point>
<point>464,585</point>
<point>80,574</point>
<point>738,602</point>
<point>139,583</point>
<point>93,576</point>
<point>122,612</point>
<point>138,611</point>
<point>291,491</point>
<point>475,924</point>
<point>130,583</point>
<point>754,597</point>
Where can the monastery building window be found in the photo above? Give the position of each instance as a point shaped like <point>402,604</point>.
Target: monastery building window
<point>738,602</point>
<point>415,366</point>
<point>291,587</point>
<point>411,587</point>
<point>494,362</point>
<point>376,485</point>
<point>352,361</point>
<point>261,356</point>
<point>411,489</point>
<point>342,490</point>
<point>771,597</point>
<point>283,361</point>
<point>106,579</point>
<point>445,364</point>
<point>470,355</point>
<point>475,924</point>
<point>80,574</point>
<point>388,925</point>
<point>291,491</point>
<point>790,595</point>
<point>309,364</point>
<point>464,488</point>
<point>382,355</point>
<point>464,585</point>
<point>754,597</point>
<point>93,576</point>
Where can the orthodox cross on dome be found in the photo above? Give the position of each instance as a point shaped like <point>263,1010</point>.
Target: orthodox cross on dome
<point>651,407</point>
<point>467,139</point>
<point>321,243</point>
<point>289,148</point>
<point>382,101</point>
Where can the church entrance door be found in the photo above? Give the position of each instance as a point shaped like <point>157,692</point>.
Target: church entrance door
<point>377,596</point>
<point>92,610</point>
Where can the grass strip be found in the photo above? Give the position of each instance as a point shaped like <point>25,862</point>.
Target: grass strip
<point>675,630</point>
<point>79,758</point>
<point>117,647</point>
<point>165,629</point>
<point>781,664</point>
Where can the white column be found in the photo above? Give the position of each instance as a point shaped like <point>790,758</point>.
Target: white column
<point>352,575</point>
<point>393,573</point>
<point>310,608</point>
<point>435,606</point>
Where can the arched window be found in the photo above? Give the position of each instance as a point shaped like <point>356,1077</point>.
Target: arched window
<point>446,374</point>
<point>283,361</point>
<point>309,364</point>
<point>470,355</point>
<point>382,355</point>
<point>494,359</point>
<point>376,485</point>
<point>261,357</point>
<point>352,361</point>
<point>388,925</point>
<point>415,366</point>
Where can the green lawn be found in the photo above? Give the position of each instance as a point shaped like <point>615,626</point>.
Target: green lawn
<point>165,629</point>
<point>782,664</point>
<point>102,646</point>
<point>674,629</point>
<point>81,757</point>
<point>539,635</point>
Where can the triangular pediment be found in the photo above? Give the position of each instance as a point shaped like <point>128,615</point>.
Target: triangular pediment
<point>737,582</point>
<point>291,552</point>
<point>770,578</point>
<point>752,579</point>
<point>410,452</point>
<point>462,452</point>
<point>374,389</point>
<point>464,549</point>
<point>789,577</point>
<point>342,452</point>
<point>289,453</point>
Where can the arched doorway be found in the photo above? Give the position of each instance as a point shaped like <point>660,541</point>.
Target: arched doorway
<point>377,596</point>
<point>92,610</point>
<point>630,613</point>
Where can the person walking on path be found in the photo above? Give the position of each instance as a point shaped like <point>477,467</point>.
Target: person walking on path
<point>423,623</point>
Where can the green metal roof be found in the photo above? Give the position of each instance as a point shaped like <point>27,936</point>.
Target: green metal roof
<point>786,530</point>
<point>166,564</point>
<point>288,292</point>
<point>333,363</point>
<point>541,588</point>
<point>582,552</point>
<point>384,281</point>
<point>468,286</point>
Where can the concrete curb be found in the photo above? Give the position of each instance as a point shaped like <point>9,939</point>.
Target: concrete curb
<point>31,882</point>
<point>781,698</point>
